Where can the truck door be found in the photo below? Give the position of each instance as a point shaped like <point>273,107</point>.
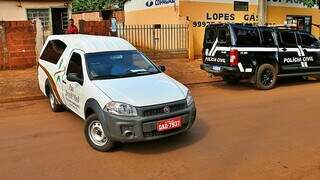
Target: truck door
<point>290,56</point>
<point>311,49</point>
<point>73,82</point>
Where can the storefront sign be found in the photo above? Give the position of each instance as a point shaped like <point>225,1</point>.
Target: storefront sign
<point>225,17</point>
<point>151,3</point>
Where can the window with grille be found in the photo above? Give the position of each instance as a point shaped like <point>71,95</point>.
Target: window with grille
<point>42,14</point>
<point>241,6</point>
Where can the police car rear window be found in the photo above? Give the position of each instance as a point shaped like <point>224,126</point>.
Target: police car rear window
<point>267,37</point>
<point>247,37</point>
<point>211,35</point>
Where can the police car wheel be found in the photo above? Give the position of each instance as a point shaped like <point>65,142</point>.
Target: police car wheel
<point>231,79</point>
<point>266,77</point>
<point>96,135</point>
<point>55,107</point>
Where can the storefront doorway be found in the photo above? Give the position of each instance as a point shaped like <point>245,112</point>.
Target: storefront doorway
<point>59,20</point>
<point>302,22</point>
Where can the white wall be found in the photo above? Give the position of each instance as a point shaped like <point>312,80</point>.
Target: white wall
<point>9,10</point>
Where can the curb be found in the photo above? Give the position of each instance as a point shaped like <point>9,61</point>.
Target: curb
<point>25,98</point>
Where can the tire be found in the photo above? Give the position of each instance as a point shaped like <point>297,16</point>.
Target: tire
<point>231,79</point>
<point>96,136</point>
<point>266,77</point>
<point>55,107</point>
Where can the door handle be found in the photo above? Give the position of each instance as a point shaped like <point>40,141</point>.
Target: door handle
<point>284,49</point>
<point>64,82</point>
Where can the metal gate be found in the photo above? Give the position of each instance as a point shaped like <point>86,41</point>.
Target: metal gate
<point>157,37</point>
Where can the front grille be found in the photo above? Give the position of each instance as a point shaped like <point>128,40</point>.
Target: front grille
<point>157,133</point>
<point>160,110</point>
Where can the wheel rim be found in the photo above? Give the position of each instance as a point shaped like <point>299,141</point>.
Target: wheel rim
<point>96,133</point>
<point>267,77</point>
<point>51,98</point>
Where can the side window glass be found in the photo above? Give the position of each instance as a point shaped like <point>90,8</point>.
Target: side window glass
<point>267,37</point>
<point>224,36</point>
<point>247,37</point>
<point>211,35</point>
<point>53,51</point>
<point>75,65</point>
<point>288,38</point>
<point>309,41</point>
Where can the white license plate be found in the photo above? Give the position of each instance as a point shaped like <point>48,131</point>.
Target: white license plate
<point>216,68</point>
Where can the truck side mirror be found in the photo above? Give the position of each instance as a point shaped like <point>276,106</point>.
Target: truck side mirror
<point>75,77</point>
<point>162,68</point>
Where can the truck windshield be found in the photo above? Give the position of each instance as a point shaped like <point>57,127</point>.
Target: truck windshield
<point>119,64</point>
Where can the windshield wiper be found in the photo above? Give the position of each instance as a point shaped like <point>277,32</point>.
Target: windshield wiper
<point>110,76</point>
<point>144,72</point>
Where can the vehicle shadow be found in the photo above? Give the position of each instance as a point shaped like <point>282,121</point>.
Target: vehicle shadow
<point>172,143</point>
<point>282,82</point>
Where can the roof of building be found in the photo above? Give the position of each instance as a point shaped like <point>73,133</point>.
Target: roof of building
<point>90,43</point>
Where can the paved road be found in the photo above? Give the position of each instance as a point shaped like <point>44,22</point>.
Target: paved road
<point>240,133</point>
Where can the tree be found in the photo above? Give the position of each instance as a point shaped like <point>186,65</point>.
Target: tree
<point>96,5</point>
<point>311,3</point>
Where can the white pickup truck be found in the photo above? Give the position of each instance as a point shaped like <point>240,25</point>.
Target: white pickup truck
<point>119,92</point>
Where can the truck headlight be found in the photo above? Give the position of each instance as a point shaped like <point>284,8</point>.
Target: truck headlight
<point>121,109</point>
<point>189,98</point>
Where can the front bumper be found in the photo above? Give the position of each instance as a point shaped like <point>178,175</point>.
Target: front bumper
<point>144,128</point>
<point>224,70</point>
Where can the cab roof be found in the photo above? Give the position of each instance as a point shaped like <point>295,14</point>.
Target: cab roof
<point>91,44</point>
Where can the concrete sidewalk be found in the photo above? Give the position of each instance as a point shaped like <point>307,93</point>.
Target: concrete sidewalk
<point>19,85</point>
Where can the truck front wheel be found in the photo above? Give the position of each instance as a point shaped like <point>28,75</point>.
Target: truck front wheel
<point>266,77</point>
<point>96,136</point>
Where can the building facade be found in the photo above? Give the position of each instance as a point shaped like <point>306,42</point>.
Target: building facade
<point>199,13</point>
<point>54,14</point>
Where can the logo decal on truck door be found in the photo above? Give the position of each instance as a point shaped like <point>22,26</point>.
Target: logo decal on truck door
<point>52,85</point>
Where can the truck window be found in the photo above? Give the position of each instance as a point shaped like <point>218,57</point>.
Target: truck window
<point>211,35</point>
<point>247,37</point>
<point>224,36</point>
<point>53,51</point>
<point>75,65</point>
<point>308,40</point>
<point>267,37</point>
<point>288,38</point>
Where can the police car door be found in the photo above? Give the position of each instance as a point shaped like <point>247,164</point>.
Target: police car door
<point>311,50</point>
<point>289,52</point>
<point>73,81</point>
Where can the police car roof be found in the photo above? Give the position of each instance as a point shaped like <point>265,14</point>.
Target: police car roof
<point>91,44</point>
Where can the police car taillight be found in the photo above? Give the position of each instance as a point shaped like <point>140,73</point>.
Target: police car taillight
<point>234,57</point>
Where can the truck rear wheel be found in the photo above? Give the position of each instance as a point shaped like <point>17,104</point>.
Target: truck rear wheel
<point>55,107</point>
<point>266,77</point>
<point>231,79</point>
<point>96,136</point>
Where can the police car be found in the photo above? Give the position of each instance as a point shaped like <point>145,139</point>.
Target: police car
<point>119,92</point>
<point>260,54</point>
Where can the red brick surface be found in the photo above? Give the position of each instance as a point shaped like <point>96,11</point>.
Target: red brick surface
<point>20,41</point>
<point>101,28</point>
